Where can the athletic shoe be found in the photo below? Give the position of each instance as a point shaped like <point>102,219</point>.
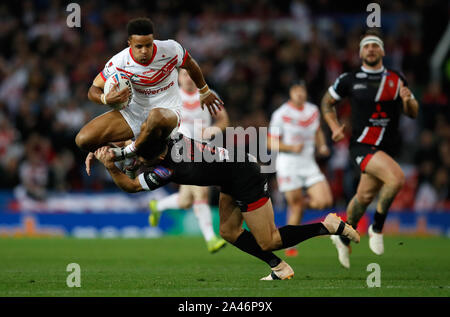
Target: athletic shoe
<point>280,272</point>
<point>376,242</point>
<point>343,251</point>
<point>291,252</point>
<point>336,226</point>
<point>215,244</point>
<point>155,214</point>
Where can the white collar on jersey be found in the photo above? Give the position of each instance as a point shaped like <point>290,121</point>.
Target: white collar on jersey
<point>372,71</point>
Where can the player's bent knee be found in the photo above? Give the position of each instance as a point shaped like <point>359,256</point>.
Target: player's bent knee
<point>83,141</point>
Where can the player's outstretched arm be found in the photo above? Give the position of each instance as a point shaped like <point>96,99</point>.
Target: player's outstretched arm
<point>330,116</point>
<point>207,97</point>
<point>125,183</point>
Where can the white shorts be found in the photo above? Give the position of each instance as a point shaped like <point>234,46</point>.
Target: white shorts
<point>135,115</point>
<point>298,179</point>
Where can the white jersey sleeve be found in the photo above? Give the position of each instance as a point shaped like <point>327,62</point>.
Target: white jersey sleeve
<point>180,51</point>
<point>111,66</point>
<point>276,125</point>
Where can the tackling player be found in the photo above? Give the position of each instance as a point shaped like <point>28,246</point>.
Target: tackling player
<point>378,97</point>
<point>151,66</point>
<point>244,196</point>
<point>295,131</point>
<point>195,121</point>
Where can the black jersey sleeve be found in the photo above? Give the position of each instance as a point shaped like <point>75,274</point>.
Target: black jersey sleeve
<point>341,87</point>
<point>157,177</point>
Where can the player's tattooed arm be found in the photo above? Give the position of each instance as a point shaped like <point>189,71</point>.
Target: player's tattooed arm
<point>120,179</point>
<point>329,114</point>
<point>207,97</point>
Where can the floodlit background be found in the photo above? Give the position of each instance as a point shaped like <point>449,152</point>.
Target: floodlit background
<point>250,51</point>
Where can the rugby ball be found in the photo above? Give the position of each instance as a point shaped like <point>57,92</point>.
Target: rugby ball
<point>124,82</point>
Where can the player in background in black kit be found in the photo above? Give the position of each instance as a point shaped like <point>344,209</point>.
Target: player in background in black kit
<point>378,97</point>
<point>243,196</point>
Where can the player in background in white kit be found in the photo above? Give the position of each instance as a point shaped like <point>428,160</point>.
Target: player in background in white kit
<point>196,123</point>
<point>152,67</point>
<point>295,130</point>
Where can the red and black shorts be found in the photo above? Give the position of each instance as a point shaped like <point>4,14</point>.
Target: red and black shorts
<point>361,154</point>
<point>248,186</point>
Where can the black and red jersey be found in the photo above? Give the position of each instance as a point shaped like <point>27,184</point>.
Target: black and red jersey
<point>375,102</point>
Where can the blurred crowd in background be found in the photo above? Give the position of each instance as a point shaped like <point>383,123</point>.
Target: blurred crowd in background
<point>250,52</point>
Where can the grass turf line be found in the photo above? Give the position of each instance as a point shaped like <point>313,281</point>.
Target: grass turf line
<point>181,266</point>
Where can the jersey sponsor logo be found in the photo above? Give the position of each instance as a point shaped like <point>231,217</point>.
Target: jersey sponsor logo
<point>148,92</point>
<point>359,86</point>
<point>361,75</point>
<point>379,117</point>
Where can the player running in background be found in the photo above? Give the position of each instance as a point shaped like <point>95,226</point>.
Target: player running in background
<point>295,131</point>
<point>378,96</point>
<point>195,123</point>
<point>244,196</point>
<point>151,66</point>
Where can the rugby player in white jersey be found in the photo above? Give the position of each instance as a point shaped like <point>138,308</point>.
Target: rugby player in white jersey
<point>295,130</point>
<point>152,67</point>
<point>196,123</point>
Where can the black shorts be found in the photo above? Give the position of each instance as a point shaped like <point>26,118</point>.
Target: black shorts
<point>361,153</point>
<point>248,186</point>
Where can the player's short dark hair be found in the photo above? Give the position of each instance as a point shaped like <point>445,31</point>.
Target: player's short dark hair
<point>151,150</point>
<point>140,26</point>
<point>372,32</point>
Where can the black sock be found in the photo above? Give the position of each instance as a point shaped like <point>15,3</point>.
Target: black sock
<point>293,235</point>
<point>247,243</point>
<point>378,221</point>
<point>346,240</point>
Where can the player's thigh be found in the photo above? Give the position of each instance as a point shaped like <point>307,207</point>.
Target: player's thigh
<point>294,196</point>
<point>386,169</point>
<point>368,188</point>
<point>185,196</point>
<point>320,194</point>
<point>231,219</point>
<point>108,127</point>
<point>200,194</point>
<point>261,223</point>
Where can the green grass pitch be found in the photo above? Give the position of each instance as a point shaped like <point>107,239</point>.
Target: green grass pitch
<point>175,266</point>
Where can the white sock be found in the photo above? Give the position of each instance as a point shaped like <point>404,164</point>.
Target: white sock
<point>203,213</point>
<point>169,202</point>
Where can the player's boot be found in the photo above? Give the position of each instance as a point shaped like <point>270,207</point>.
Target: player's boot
<point>343,251</point>
<point>155,214</point>
<point>376,242</point>
<point>280,272</point>
<point>336,226</point>
<point>291,252</point>
<point>215,244</point>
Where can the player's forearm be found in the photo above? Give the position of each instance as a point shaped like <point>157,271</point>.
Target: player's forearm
<point>123,181</point>
<point>329,111</point>
<point>320,138</point>
<point>95,94</point>
<point>411,108</point>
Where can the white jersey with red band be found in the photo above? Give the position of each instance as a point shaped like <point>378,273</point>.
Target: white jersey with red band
<point>293,126</point>
<point>193,117</point>
<point>155,84</point>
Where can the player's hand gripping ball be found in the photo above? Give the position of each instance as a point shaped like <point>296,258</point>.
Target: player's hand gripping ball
<point>118,91</point>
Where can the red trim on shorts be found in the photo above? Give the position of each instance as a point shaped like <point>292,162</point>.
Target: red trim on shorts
<point>259,203</point>
<point>365,161</point>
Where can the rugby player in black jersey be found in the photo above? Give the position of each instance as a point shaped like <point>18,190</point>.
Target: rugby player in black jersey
<point>378,96</point>
<point>243,196</point>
